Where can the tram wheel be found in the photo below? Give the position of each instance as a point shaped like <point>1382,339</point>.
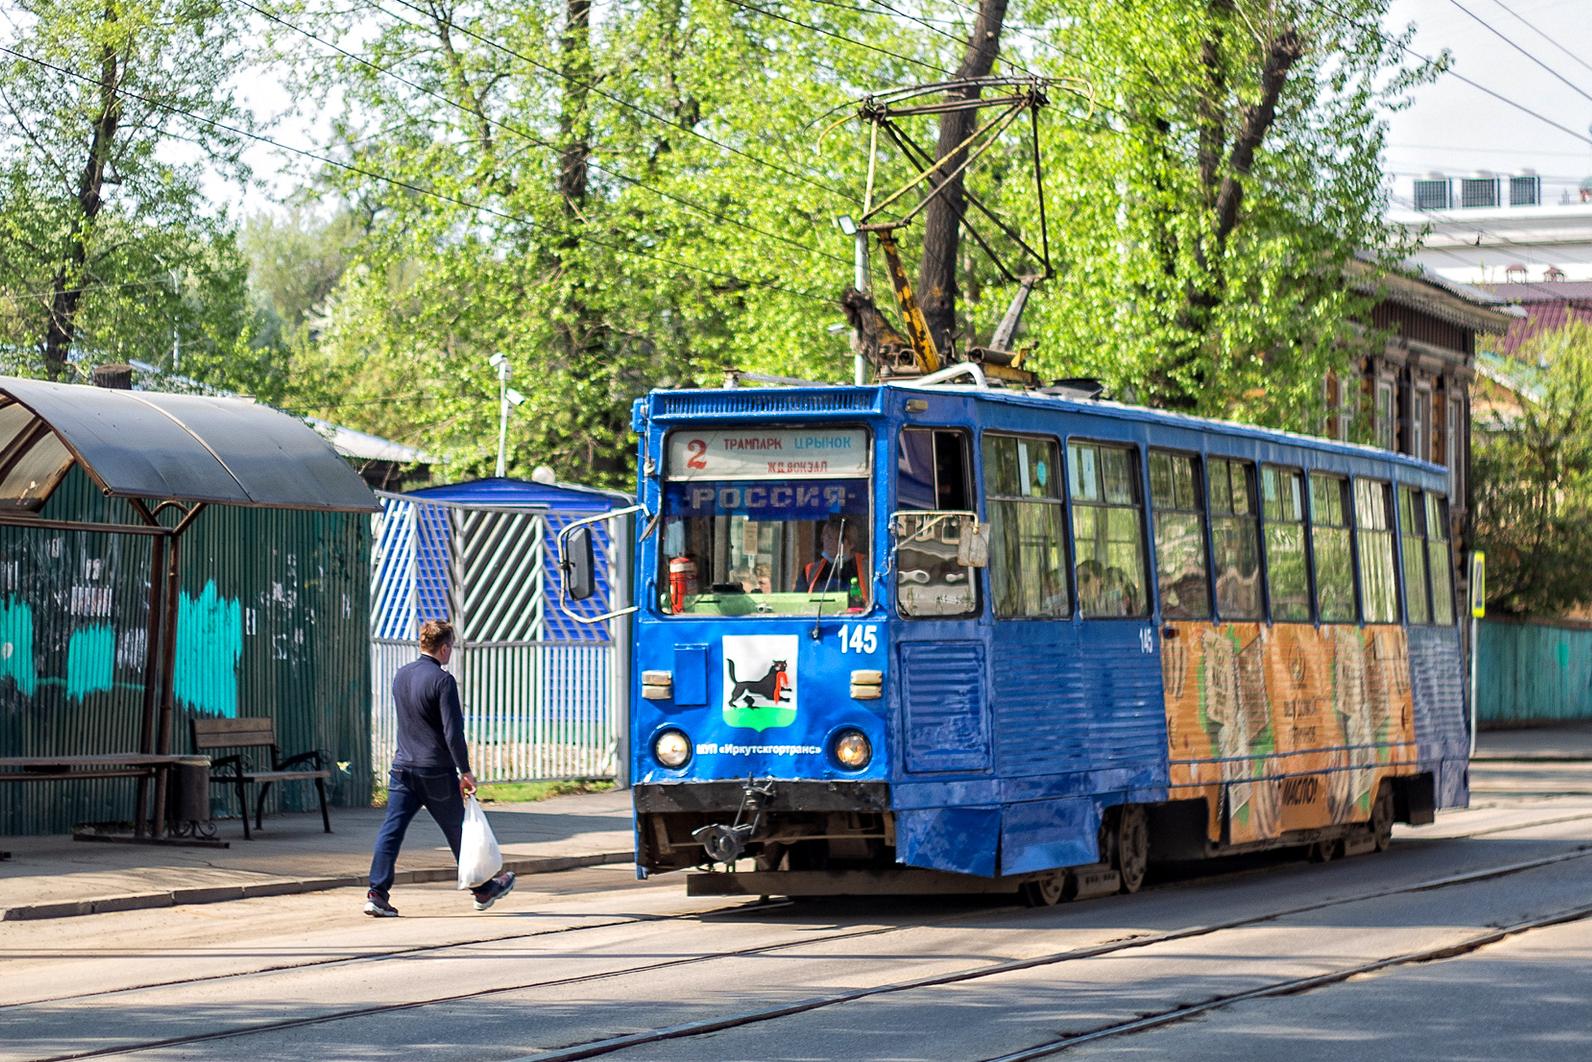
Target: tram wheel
<point>1382,818</point>
<point>1324,851</point>
<point>1046,891</point>
<point>1131,846</point>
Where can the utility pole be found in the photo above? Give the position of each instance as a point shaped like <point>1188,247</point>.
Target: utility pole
<point>501,364</point>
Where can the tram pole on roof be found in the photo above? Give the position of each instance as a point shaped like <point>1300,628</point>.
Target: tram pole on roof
<point>914,352</point>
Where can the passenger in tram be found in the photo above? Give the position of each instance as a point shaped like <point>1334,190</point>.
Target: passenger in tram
<point>1121,597</point>
<point>1091,587</point>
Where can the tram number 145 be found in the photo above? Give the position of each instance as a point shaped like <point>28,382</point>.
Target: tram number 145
<point>859,639</point>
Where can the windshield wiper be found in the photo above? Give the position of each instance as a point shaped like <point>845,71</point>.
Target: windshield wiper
<point>829,578</point>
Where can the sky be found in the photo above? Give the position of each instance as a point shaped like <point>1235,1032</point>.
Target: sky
<point>1456,129</point>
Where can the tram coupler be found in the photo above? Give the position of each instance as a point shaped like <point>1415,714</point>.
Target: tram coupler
<point>724,844</point>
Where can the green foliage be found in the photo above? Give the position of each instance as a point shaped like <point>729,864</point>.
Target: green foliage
<point>1533,486</point>
<point>101,189</point>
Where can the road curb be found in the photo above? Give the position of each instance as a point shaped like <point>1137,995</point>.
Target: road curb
<point>288,887</point>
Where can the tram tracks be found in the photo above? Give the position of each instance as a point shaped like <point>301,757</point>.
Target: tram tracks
<point>596,1049</point>
<point>1296,985</point>
<point>612,1045</point>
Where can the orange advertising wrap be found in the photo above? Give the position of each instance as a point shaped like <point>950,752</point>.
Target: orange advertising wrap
<point>1285,727</point>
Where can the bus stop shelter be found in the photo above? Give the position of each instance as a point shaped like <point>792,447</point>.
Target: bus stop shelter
<point>165,458</point>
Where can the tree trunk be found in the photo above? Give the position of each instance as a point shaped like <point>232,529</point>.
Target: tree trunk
<point>942,219</point>
<point>67,285</point>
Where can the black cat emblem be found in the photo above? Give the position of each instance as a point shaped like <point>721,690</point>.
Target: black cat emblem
<point>772,687</point>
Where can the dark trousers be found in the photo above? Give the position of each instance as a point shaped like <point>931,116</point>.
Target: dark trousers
<point>407,792</point>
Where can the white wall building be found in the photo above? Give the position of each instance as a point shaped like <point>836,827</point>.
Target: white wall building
<point>1496,228</point>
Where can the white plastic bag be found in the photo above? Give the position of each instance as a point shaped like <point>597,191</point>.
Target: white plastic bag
<point>479,854</point>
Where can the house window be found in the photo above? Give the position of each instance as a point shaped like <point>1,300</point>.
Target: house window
<point>1455,448</point>
<point>1525,191</point>
<point>1386,415</point>
<point>1421,423</point>
<point>1432,193</point>
<point>1478,192</point>
<point>1339,408</point>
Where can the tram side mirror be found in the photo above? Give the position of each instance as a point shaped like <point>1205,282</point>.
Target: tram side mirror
<point>577,562</point>
<point>972,546</point>
<point>1478,584</point>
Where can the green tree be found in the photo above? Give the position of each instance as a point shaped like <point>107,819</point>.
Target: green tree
<point>1533,485</point>
<point>1232,171</point>
<point>111,248</point>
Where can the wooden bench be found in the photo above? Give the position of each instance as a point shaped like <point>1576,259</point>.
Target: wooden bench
<point>237,771</point>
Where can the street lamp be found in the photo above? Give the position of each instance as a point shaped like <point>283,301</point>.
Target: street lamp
<point>507,396</point>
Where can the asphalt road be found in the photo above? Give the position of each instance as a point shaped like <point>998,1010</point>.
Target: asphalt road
<point>1471,938</point>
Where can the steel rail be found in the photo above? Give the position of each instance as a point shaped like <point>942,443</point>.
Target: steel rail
<point>690,1029</point>
<point>1298,985</point>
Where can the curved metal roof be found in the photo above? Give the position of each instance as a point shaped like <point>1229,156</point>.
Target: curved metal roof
<point>186,448</point>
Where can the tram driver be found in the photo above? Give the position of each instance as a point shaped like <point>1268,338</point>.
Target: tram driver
<point>838,561</point>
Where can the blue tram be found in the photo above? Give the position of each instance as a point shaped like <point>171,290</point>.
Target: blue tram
<point>922,637</point>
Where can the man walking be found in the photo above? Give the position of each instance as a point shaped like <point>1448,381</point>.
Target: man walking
<point>431,748</point>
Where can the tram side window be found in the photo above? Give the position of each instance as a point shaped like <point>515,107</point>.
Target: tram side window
<point>932,476</point>
<point>1287,577</point>
<point>1438,561</point>
<point>1412,532</point>
<point>1329,536</point>
<point>1235,540</point>
<point>1378,576</point>
<point>1028,536</point>
<point>1180,567</point>
<point>1107,530</point>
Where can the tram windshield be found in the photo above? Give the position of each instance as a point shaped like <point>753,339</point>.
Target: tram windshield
<point>765,522</point>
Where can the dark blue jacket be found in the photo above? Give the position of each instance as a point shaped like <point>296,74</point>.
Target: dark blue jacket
<point>430,723</point>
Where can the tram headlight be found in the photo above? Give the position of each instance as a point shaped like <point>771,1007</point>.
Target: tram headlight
<point>672,749</point>
<point>852,750</point>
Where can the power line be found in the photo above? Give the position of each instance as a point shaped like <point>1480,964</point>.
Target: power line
<point>409,185</point>
<point>1514,152</point>
<point>631,104</point>
<point>532,138</point>
<point>148,282</point>
<point>1490,28</point>
<point>925,23</point>
<point>1500,97</point>
<point>837,36</point>
<point>1522,20</point>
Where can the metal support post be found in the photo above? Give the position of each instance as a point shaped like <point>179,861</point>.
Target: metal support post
<point>860,282</point>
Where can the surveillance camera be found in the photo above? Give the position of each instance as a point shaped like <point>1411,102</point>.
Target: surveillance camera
<point>514,397</point>
<point>497,360</point>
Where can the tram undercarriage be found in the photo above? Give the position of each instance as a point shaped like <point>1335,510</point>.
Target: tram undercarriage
<point>810,839</point>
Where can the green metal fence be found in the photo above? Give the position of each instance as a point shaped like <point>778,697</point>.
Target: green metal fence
<point>1530,672</point>
<point>273,620</point>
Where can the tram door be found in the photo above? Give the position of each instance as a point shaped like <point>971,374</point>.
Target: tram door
<point>940,647</point>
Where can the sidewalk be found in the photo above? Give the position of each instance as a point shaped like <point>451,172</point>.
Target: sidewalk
<point>1559,743</point>
<point>52,877</point>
